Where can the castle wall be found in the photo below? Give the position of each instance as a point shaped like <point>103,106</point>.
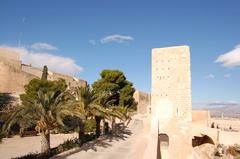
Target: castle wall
<point>14,75</point>
<point>8,54</point>
<point>201,116</point>
<point>71,81</point>
<point>143,100</point>
<point>32,70</point>
<point>171,84</point>
<point>12,79</point>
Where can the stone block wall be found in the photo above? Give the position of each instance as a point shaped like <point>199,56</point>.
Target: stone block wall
<point>171,84</point>
<point>12,78</point>
<point>14,75</point>
<point>144,100</point>
<point>9,55</point>
<point>201,116</point>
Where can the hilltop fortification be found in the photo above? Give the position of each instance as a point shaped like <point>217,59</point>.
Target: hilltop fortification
<point>14,75</point>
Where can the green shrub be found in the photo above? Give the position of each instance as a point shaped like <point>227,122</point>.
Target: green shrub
<point>90,125</point>
<point>67,145</point>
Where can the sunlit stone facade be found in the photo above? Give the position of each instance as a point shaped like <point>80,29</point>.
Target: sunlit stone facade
<point>171,84</point>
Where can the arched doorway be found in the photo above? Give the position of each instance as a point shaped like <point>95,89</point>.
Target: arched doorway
<point>162,146</point>
<point>163,139</point>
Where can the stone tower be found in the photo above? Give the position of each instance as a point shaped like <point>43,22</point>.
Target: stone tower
<point>171,85</point>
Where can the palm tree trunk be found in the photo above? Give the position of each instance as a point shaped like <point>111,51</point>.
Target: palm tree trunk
<point>81,133</point>
<point>98,129</point>
<point>45,141</point>
<point>113,125</point>
<point>103,126</point>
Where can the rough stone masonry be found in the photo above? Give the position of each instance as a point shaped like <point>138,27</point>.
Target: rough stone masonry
<point>14,74</point>
<point>171,85</point>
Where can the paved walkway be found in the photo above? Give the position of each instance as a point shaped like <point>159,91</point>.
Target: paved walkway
<point>17,146</point>
<point>130,145</point>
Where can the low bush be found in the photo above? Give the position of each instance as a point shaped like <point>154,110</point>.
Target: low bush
<point>67,145</point>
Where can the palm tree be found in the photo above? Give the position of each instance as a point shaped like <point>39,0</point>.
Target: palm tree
<point>120,112</point>
<point>99,106</point>
<point>104,102</point>
<point>111,112</point>
<point>123,112</point>
<point>47,111</point>
<point>86,102</point>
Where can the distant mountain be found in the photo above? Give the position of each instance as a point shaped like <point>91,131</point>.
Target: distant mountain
<point>228,110</point>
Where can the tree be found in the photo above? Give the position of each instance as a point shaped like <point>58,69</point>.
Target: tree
<point>32,88</point>
<point>45,104</point>
<point>86,102</point>
<point>47,112</point>
<point>120,91</point>
<point>44,73</point>
<point>103,100</point>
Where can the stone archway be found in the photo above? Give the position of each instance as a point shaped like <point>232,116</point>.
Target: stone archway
<point>163,139</point>
<point>162,146</point>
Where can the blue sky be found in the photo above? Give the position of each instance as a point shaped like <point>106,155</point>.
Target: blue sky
<point>93,35</point>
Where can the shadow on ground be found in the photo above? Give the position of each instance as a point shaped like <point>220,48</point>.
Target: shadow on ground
<point>122,133</point>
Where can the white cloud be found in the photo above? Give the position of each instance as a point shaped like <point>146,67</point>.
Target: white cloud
<point>43,46</point>
<point>227,75</point>
<point>230,59</point>
<point>92,42</point>
<point>55,63</point>
<point>116,38</point>
<point>210,76</point>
